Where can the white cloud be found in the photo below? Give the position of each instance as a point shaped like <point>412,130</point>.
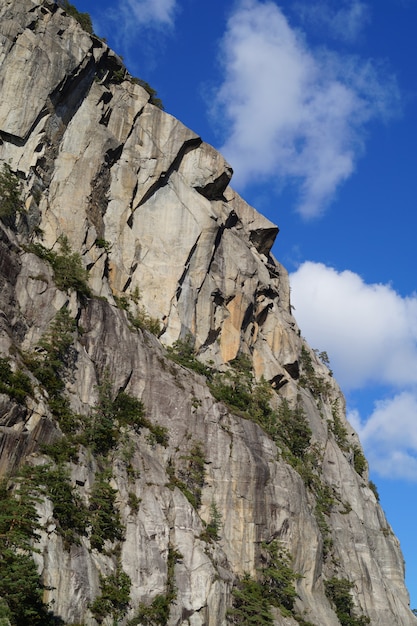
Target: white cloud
<point>346,22</point>
<point>149,12</point>
<point>289,113</point>
<point>369,331</point>
<point>389,436</point>
<point>370,334</point>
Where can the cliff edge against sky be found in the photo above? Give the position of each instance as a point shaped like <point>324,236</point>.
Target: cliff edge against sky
<point>181,455</point>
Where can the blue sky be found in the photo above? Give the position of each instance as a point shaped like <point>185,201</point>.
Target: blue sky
<point>315,107</point>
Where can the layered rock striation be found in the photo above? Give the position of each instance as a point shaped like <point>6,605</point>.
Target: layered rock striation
<point>196,447</point>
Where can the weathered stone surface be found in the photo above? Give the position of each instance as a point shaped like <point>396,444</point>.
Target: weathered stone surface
<point>147,205</point>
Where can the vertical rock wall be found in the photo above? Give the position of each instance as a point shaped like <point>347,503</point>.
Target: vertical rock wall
<point>148,207</point>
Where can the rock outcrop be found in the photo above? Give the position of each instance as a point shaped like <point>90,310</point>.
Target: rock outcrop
<point>119,194</point>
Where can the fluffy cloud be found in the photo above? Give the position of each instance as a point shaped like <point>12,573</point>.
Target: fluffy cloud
<point>389,436</point>
<point>290,113</point>
<point>369,331</point>
<point>370,335</point>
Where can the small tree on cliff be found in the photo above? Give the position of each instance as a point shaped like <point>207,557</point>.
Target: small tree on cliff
<point>10,194</point>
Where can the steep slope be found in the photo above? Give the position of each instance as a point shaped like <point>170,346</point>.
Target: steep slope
<point>178,474</point>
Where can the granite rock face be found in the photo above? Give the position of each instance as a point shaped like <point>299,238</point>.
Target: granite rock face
<point>146,207</point>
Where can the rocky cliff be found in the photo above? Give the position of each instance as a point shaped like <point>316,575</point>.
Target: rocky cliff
<point>179,454</point>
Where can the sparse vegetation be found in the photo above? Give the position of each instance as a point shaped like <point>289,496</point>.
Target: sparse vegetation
<point>133,502</point>
<point>341,436</point>
<point>16,384</point>
<point>145,322</point>
<point>69,273</point>
<point>114,598</point>
<point>101,520</point>
<point>104,518</point>
<point>182,352</point>
<point>151,91</point>
<point>212,528</point>
<point>318,385</point>
<point>278,577</point>
<point>83,19</point>
<point>372,486</point>
<point>190,478</point>
<point>48,363</point>
<point>292,429</point>
<point>110,415</point>
<point>250,605</point>
<point>325,500</point>
<point>359,461</point>
<point>118,76</point>
<point>338,592</point>
<point>21,589</point>
<point>274,586</point>
<point>338,429</point>
<point>287,425</point>
<point>139,318</point>
<point>68,509</point>
<point>324,358</point>
<point>10,195</point>
<point>157,613</point>
<point>104,244</point>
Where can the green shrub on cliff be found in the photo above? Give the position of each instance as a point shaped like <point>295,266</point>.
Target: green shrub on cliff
<point>10,195</point>
<point>114,598</point>
<point>83,19</point>
<point>273,587</point>
<point>17,384</point>
<point>69,273</point>
<point>338,592</point>
<point>21,589</point>
<point>157,613</point>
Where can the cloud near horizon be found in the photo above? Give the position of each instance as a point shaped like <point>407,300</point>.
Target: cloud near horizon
<point>290,113</point>
<point>370,334</point>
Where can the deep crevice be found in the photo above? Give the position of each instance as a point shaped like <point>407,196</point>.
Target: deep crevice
<point>105,118</point>
<point>215,189</point>
<point>231,221</point>
<point>113,155</point>
<point>268,292</point>
<point>263,239</point>
<point>211,338</point>
<point>186,268</point>
<point>128,379</point>
<point>138,114</point>
<point>218,297</point>
<point>127,284</point>
<point>248,317</point>
<point>293,370</point>
<point>164,177</point>
<point>261,317</point>
<point>71,92</point>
